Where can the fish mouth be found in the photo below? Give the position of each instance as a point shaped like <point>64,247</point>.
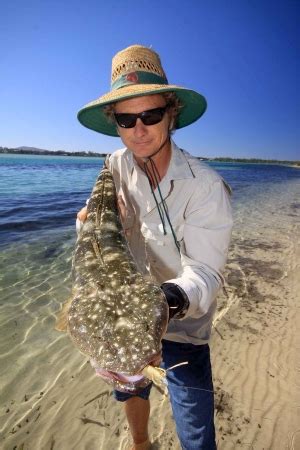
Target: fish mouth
<point>126,382</point>
<point>118,376</point>
<point>129,384</point>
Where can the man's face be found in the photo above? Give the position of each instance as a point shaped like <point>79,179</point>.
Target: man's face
<point>144,140</point>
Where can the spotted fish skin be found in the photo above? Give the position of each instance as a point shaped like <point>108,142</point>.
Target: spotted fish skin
<point>116,317</point>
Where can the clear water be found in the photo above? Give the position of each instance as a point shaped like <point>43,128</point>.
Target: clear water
<point>40,195</point>
<point>39,198</point>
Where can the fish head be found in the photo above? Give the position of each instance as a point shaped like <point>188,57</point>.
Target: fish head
<point>120,327</point>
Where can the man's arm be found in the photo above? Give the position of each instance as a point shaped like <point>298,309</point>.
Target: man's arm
<point>207,232</point>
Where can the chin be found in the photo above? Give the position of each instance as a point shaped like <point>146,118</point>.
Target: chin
<point>143,152</point>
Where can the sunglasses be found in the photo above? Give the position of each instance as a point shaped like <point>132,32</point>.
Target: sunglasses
<point>150,117</point>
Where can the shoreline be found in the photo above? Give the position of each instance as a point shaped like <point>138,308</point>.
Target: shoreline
<point>51,398</point>
<point>85,154</point>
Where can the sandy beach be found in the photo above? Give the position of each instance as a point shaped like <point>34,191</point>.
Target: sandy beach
<point>256,343</point>
<point>52,400</point>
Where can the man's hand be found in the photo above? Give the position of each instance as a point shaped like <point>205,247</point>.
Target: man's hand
<point>177,300</point>
<point>82,214</point>
<point>156,361</point>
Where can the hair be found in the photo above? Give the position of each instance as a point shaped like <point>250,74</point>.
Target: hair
<point>109,112</point>
<point>171,100</point>
<point>175,105</point>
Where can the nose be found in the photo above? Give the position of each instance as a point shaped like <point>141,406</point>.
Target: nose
<point>140,129</point>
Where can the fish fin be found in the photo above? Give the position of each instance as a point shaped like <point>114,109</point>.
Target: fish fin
<point>62,318</point>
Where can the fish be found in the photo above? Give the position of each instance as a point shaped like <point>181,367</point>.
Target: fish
<point>117,317</point>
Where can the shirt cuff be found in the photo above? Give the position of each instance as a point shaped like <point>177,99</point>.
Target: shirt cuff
<point>201,294</point>
<point>192,292</point>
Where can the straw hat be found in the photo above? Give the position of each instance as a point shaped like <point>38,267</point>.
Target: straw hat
<point>137,71</point>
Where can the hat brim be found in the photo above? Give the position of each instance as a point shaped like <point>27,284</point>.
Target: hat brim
<point>93,116</point>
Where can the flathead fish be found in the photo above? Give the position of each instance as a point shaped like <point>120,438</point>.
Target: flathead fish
<point>117,317</point>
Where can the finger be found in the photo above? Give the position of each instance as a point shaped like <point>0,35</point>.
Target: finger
<point>79,225</point>
<point>82,214</point>
<point>121,202</point>
<point>122,207</point>
<point>156,361</point>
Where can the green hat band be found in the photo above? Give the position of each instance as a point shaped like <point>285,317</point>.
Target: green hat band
<point>138,78</point>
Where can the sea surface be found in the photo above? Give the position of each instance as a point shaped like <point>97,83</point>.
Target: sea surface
<point>40,195</point>
<point>39,199</point>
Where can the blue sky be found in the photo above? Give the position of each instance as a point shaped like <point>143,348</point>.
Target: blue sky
<point>242,55</point>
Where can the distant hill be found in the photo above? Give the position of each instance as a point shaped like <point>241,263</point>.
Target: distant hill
<point>31,149</point>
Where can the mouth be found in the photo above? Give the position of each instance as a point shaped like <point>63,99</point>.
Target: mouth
<point>118,376</point>
<point>122,381</point>
<point>143,143</point>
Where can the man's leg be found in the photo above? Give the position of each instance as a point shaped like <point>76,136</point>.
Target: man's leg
<point>191,394</point>
<point>137,412</point>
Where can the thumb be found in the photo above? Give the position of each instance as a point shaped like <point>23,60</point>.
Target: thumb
<point>122,208</point>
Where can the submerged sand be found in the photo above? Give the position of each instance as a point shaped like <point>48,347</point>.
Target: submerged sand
<point>52,400</point>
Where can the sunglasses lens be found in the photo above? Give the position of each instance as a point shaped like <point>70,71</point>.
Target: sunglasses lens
<point>153,117</point>
<point>150,117</point>
<point>126,120</point>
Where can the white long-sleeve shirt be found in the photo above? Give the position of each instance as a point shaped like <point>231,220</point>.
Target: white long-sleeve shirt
<point>199,208</point>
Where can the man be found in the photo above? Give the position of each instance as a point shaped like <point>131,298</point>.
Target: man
<point>177,217</point>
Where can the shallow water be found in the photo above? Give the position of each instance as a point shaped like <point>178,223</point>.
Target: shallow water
<point>40,196</point>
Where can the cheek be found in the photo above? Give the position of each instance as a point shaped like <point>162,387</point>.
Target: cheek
<point>124,134</point>
<point>164,130</point>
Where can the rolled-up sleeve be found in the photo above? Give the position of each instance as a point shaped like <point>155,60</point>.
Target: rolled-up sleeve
<point>204,247</point>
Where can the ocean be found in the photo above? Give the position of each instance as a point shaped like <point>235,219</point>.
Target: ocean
<point>40,195</point>
<point>39,198</point>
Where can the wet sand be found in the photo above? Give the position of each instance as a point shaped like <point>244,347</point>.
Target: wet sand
<point>256,345</point>
<point>51,398</point>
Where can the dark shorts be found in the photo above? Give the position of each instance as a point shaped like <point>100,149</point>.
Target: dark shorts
<point>123,396</point>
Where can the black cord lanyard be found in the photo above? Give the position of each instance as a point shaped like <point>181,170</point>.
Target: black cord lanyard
<point>162,207</point>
